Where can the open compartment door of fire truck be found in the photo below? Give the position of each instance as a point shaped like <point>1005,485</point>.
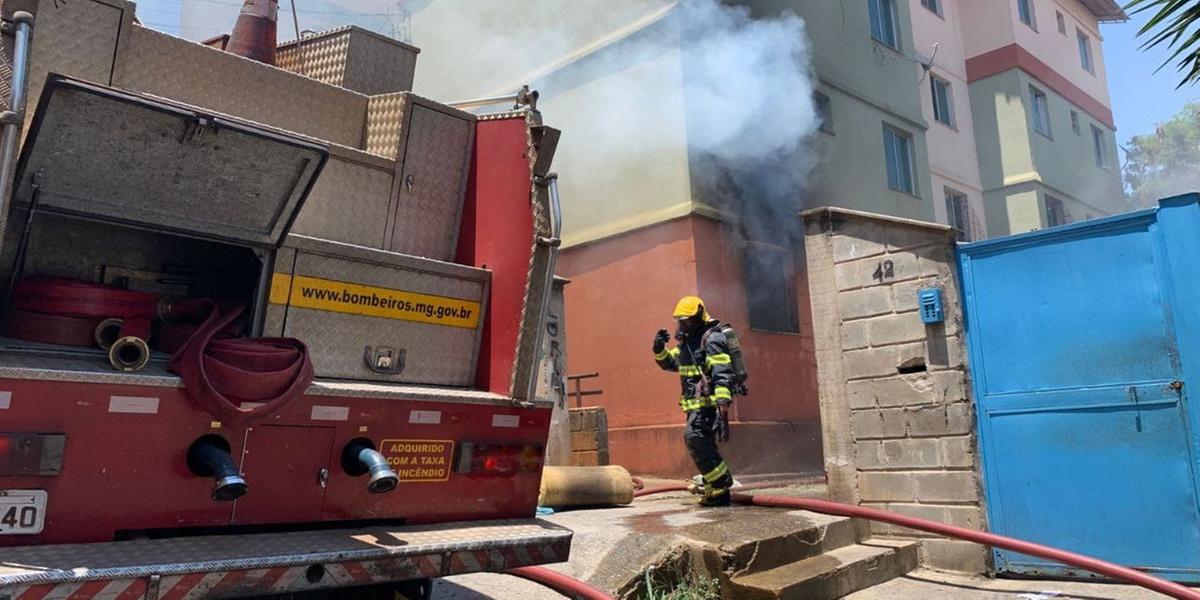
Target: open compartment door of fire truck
<point>248,352</point>
<point>138,193</point>
<point>109,155</point>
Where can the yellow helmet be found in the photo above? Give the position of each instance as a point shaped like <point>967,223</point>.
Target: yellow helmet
<point>690,306</point>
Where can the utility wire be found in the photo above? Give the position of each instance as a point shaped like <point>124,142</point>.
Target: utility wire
<point>347,13</point>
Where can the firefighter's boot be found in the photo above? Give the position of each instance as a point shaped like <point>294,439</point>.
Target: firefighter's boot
<point>714,497</point>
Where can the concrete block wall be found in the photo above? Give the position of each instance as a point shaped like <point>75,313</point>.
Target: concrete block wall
<point>898,423</point>
<point>589,437</point>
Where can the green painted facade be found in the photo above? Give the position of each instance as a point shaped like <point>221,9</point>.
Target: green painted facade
<point>1021,167</point>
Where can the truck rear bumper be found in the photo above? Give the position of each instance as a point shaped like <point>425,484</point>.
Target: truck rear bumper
<point>230,566</point>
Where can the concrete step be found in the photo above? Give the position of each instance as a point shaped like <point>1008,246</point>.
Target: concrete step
<point>831,575</point>
<point>779,538</point>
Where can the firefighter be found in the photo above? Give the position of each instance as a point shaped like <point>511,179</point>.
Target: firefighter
<point>705,371</point>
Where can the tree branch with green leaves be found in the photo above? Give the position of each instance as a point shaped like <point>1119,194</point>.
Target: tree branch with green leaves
<point>1176,25</point>
<point>1167,162</point>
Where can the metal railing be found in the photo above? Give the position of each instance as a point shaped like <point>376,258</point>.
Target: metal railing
<point>578,392</point>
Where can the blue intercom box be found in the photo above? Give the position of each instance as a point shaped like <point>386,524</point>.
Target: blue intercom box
<point>930,300</point>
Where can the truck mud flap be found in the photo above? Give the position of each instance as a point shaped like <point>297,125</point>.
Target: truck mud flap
<point>232,566</point>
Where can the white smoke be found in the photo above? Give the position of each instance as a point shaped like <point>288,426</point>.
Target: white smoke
<point>729,91</point>
<point>748,81</point>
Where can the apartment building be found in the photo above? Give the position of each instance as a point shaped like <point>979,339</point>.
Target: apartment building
<point>1021,128</point>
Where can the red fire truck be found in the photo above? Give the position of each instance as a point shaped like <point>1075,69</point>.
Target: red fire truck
<point>267,330</point>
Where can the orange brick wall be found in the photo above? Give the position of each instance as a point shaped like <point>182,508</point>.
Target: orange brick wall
<point>623,289</point>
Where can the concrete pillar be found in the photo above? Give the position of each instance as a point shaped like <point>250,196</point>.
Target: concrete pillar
<point>897,418</point>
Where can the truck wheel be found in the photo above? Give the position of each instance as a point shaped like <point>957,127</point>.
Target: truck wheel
<point>417,589</point>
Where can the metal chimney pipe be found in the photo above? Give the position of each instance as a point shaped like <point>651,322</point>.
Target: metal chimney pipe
<point>253,35</point>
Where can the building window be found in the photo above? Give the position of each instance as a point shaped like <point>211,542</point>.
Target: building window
<point>958,214</point>
<point>883,22</point>
<point>770,288</point>
<point>1056,213</point>
<point>1062,23</point>
<point>934,6</point>
<point>898,153</point>
<point>1098,145</point>
<point>943,108</point>
<point>1025,12</point>
<point>1040,107</point>
<point>824,108</point>
<point>1075,123</point>
<point>1085,53</point>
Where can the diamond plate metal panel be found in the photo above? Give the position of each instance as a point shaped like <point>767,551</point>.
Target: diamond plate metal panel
<point>76,39</point>
<point>434,354</point>
<point>142,558</point>
<point>350,201</point>
<point>57,367</point>
<point>385,117</point>
<point>431,187</point>
<point>352,57</point>
<point>273,319</point>
<point>379,65</point>
<point>540,154</point>
<point>324,57</point>
<point>527,351</point>
<point>101,152</point>
<point>390,270</point>
<point>6,72</point>
<point>166,66</point>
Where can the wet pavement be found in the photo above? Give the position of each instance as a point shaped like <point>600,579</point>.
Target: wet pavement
<point>614,546</point>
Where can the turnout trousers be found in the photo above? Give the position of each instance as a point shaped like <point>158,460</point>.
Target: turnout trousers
<point>700,435</point>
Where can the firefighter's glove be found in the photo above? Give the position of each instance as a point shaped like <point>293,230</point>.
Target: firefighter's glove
<point>722,424</point>
<point>660,340</point>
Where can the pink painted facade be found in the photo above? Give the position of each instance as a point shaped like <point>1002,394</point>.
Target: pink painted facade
<point>986,58</point>
<point>996,24</point>
<point>953,161</point>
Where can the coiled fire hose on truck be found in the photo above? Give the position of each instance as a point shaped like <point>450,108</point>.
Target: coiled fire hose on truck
<point>221,372</point>
<point>222,375</point>
<point>1095,565</point>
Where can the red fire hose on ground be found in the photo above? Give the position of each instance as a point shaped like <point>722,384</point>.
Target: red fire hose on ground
<point>1094,565</point>
<point>560,583</point>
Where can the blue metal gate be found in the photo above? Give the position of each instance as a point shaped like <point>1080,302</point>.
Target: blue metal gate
<point>1083,342</point>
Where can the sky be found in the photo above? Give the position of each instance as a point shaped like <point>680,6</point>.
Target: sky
<point>205,18</point>
<point>1140,97</point>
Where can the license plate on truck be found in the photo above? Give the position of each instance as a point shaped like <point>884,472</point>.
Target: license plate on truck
<point>22,512</point>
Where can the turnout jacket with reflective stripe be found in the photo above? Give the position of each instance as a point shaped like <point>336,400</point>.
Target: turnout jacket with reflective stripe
<point>691,358</point>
